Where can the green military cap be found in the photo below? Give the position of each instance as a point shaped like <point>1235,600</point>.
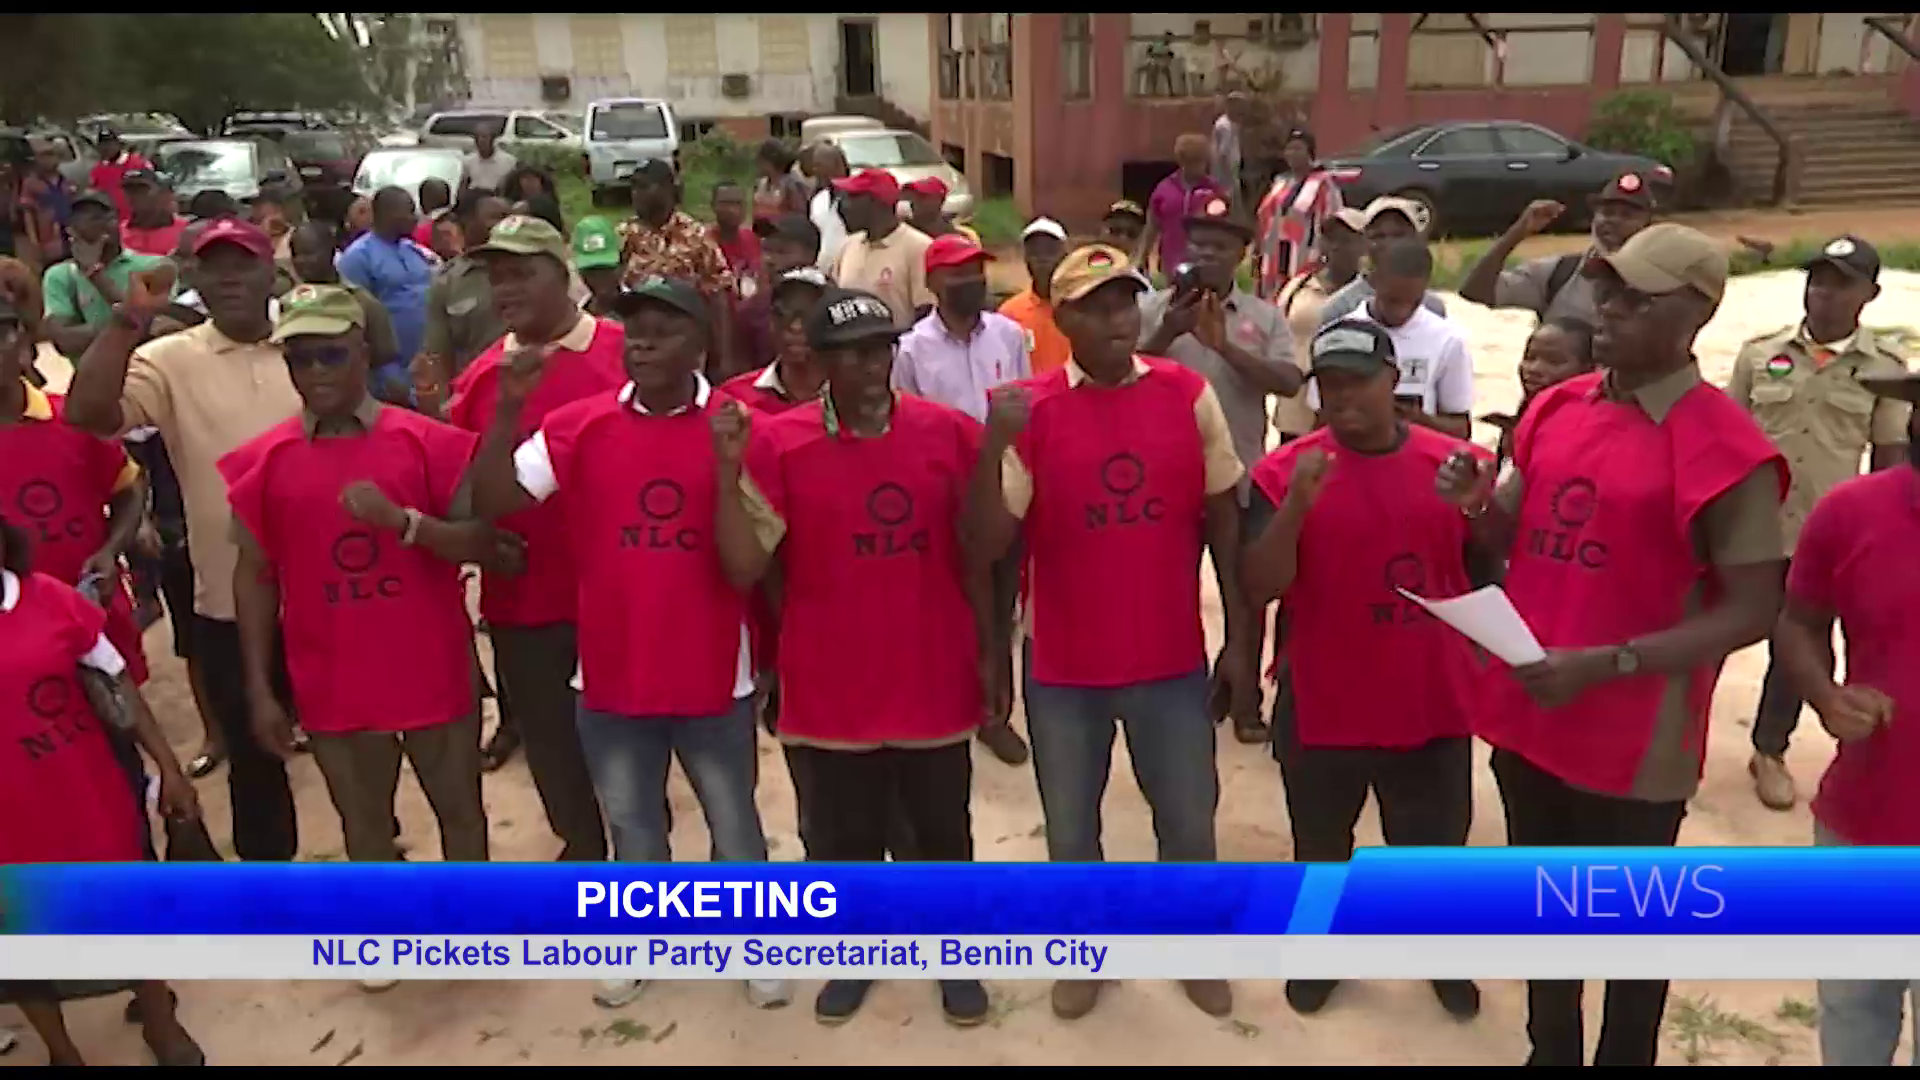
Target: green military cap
<point>595,244</point>
<point>317,311</point>
<point>522,234</point>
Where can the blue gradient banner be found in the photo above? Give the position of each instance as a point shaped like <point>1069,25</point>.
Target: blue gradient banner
<point>1426,892</point>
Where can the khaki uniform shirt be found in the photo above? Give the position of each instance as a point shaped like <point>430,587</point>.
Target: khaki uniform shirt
<point>894,269</point>
<point>461,322</point>
<point>1809,401</point>
<point>1300,302</point>
<point>208,395</point>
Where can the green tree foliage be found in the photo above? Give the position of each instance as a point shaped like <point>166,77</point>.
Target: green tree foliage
<point>197,67</point>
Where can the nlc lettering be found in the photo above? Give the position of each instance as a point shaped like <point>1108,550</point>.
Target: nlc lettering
<point>1613,892</point>
<point>891,542</point>
<point>53,532</point>
<point>1565,545</point>
<point>659,538</point>
<point>357,590</point>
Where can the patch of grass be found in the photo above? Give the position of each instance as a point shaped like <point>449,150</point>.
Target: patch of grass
<point>1795,1011</point>
<point>998,221</point>
<point>1451,264</point>
<point>1700,1030</point>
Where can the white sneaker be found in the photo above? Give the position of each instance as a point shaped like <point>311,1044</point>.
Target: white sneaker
<point>617,993</point>
<point>769,993</point>
<point>378,986</point>
<point>8,1040</point>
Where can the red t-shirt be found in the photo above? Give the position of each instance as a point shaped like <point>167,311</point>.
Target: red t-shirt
<point>877,637</point>
<point>764,620</point>
<point>55,483</point>
<point>376,632</point>
<point>1369,667</point>
<point>107,176</point>
<point>742,251</point>
<point>741,388</point>
<point>660,624</point>
<point>544,594</point>
<point>63,795</point>
<point>1116,527</point>
<point>1859,557</point>
<point>157,241</point>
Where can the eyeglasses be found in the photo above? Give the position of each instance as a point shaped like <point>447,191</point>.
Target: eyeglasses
<point>330,356</point>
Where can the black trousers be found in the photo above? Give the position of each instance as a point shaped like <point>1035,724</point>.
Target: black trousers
<point>535,666</point>
<point>1544,811</point>
<point>1425,793</point>
<point>848,799</point>
<point>262,801</point>
<point>1779,711</point>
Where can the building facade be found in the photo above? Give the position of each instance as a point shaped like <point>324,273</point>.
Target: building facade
<point>750,74</point>
<point>1083,107</point>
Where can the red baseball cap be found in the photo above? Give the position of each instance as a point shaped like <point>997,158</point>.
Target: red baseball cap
<point>235,231</point>
<point>953,249</point>
<point>931,186</point>
<point>878,183</point>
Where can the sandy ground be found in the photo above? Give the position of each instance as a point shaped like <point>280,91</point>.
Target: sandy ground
<point>479,1023</point>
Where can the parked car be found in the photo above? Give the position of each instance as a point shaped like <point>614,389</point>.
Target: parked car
<point>406,167</point>
<point>515,127</point>
<point>907,156</point>
<point>623,132</point>
<point>1476,176</point>
<point>573,122</point>
<point>322,157</point>
<point>238,166</point>
<point>815,128</point>
<point>250,121</point>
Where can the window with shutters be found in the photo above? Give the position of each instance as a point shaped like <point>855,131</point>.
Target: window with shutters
<point>691,48</point>
<point>598,51</point>
<point>507,46</point>
<point>1076,55</point>
<point>783,45</point>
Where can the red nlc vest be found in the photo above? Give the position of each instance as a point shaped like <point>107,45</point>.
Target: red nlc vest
<point>660,624</point>
<point>1116,527</point>
<point>764,621</point>
<point>1604,552</point>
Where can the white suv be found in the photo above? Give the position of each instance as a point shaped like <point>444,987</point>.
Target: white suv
<point>513,127</point>
<point>623,132</point>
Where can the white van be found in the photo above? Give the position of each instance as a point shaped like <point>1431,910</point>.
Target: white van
<point>623,132</point>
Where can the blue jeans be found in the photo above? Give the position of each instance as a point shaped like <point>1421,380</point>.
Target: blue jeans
<point>1860,1018</point>
<point>1170,740</point>
<point>629,757</point>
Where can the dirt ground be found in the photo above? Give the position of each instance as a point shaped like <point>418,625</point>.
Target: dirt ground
<point>478,1023</point>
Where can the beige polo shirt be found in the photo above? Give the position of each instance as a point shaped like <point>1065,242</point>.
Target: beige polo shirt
<point>1808,399</point>
<point>1300,302</point>
<point>894,269</point>
<point>208,395</point>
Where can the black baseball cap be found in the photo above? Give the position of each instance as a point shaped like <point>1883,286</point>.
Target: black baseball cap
<point>1851,254</point>
<point>1354,345</point>
<point>96,198</point>
<point>143,176</point>
<point>848,317</point>
<point>1630,188</point>
<point>655,170</point>
<point>797,228</point>
<point>674,293</point>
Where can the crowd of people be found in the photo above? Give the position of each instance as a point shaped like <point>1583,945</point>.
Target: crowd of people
<point>792,472</point>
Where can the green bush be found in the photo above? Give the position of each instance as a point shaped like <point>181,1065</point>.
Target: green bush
<point>1642,122</point>
<point>557,160</point>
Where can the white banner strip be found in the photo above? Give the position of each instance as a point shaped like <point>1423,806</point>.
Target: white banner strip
<point>1114,957</point>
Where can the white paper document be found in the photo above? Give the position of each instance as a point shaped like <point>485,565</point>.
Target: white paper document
<point>1487,617</point>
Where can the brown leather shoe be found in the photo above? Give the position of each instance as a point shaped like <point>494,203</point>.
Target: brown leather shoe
<point>1075,998</point>
<point>1211,996</point>
<point>1772,782</point>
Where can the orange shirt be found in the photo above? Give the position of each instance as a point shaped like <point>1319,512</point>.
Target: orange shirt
<point>1047,347</point>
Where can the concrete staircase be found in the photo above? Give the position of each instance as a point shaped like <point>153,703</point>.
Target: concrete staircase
<point>1856,145</point>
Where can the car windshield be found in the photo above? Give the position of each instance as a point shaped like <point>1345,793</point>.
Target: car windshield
<point>406,170</point>
<point>315,145</point>
<point>567,122</point>
<point>891,150</point>
<point>204,164</point>
<point>629,120</point>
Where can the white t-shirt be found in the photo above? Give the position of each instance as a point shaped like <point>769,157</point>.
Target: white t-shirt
<point>488,173</point>
<point>1435,366</point>
<point>833,231</point>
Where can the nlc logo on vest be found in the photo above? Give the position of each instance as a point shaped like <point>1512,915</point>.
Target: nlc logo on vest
<point>40,502</point>
<point>355,554</point>
<point>661,529</point>
<point>1572,507</point>
<point>1402,571</point>
<point>890,508</point>
<point>1124,476</point>
<point>52,698</point>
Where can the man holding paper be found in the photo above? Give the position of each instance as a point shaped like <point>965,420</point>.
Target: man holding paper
<point>1345,519</point>
<point>1856,562</point>
<point>1642,525</point>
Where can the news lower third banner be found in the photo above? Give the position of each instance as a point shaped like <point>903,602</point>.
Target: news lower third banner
<point>1390,914</point>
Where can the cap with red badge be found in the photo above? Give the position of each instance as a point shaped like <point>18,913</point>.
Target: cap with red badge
<point>242,234</point>
<point>1629,188</point>
<point>1209,208</point>
<point>878,183</point>
<point>952,249</point>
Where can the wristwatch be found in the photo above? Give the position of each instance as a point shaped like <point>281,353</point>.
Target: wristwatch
<point>1626,660</point>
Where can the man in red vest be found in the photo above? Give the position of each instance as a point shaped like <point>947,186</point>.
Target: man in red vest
<point>1642,527</point>
<point>1117,469</point>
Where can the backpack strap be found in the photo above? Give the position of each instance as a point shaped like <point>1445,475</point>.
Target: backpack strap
<point>1563,270</point>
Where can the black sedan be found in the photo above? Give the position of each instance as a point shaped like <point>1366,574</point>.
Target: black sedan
<point>1475,177</point>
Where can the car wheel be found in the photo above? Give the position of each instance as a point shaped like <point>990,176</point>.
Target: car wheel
<point>602,196</point>
<point>1435,227</point>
